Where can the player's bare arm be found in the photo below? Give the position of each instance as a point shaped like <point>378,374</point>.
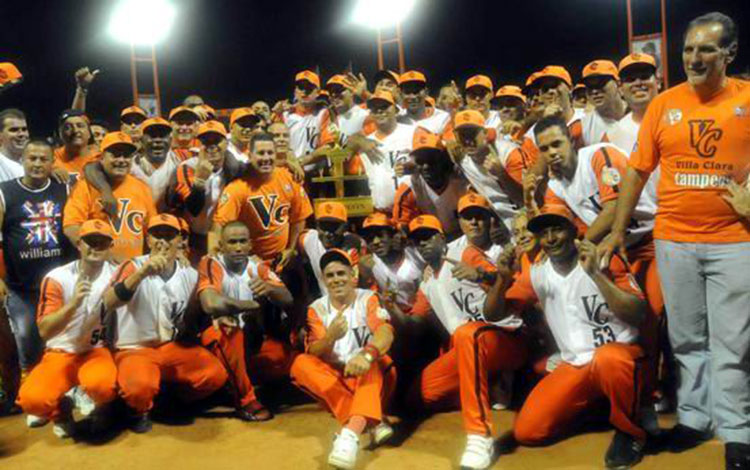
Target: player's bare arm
<point>116,297</point>
<point>603,222</point>
<point>52,324</point>
<point>495,308</point>
<point>217,305</point>
<point>632,186</point>
<point>336,330</point>
<point>380,344</point>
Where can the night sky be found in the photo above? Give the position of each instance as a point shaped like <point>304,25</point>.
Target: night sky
<point>235,52</point>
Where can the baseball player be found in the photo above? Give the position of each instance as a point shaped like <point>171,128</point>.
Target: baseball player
<point>478,92</point>
<point>152,300</point>
<point>454,292</point>
<point>594,316</point>
<point>231,289</point>
<point>131,119</point>
<point>78,146</point>
<point>350,119</point>
<point>242,123</point>
<point>70,323</point>
<point>345,365</point>
<point>185,122</point>
<point>601,79</point>
<point>413,87</point>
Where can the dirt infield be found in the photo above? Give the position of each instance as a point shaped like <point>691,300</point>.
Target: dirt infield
<point>300,438</point>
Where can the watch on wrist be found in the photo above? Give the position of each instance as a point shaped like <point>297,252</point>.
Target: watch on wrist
<point>368,357</point>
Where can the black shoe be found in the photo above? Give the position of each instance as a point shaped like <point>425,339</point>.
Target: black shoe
<point>737,456</point>
<point>624,452</point>
<point>141,424</point>
<point>682,438</point>
<point>254,411</point>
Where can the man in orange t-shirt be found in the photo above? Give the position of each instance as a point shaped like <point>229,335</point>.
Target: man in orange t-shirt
<point>268,201</point>
<point>78,145</point>
<point>698,133</point>
<point>135,206</point>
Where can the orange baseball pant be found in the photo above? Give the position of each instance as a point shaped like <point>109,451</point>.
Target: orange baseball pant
<point>272,362</point>
<point>59,371</point>
<point>459,377</point>
<point>551,408</point>
<point>140,371</point>
<point>345,397</point>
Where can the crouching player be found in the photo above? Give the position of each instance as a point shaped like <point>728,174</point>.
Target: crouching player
<point>70,322</point>
<point>593,315</point>
<point>345,365</point>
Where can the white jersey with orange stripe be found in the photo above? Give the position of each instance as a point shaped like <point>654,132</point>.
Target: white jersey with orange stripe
<point>578,115</point>
<point>457,247</point>
<point>403,277</point>
<point>351,122</point>
<point>85,329</point>
<point>304,130</point>
<point>441,205</point>
<point>381,176</point>
<point>436,123</point>
<point>595,126</point>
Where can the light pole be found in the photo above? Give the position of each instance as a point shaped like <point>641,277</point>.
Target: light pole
<point>385,15</point>
<point>143,24</point>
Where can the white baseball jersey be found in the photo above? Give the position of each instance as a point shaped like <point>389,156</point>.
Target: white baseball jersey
<point>157,179</point>
<point>201,224</point>
<point>214,274</point>
<point>363,317</point>
<point>578,115</point>
<point>595,127</point>
<point>403,277</point>
<point>493,120</point>
<point>381,178</point>
<point>436,121</point>
<point>351,122</point>
<point>150,317</point>
<point>84,330</point>
<point>575,309</point>
<point>583,196</point>
<point>456,249</point>
<point>455,302</point>
<point>487,184</point>
<point>624,135</point>
<point>238,154</point>
<point>415,192</point>
<point>305,129</point>
<point>313,248</point>
<point>9,169</point>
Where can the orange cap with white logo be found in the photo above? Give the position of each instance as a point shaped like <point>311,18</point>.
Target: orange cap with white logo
<point>239,113</point>
<point>182,109</point>
<point>426,140</point>
<point>382,95</point>
<point>551,215</point>
<point>133,110</point>
<point>155,122</point>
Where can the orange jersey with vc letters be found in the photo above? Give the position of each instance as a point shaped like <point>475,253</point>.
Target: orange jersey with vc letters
<point>268,208</point>
<point>135,206</point>
<point>700,148</point>
<point>74,166</point>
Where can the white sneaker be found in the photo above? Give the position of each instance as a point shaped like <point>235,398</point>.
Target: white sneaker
<point>63,429</point>
<point>478,452</point>
<point>381,433</point>
<point>34,421</point>
<point>83,402</point>
<point>502,391</point>
<point>345,448</point>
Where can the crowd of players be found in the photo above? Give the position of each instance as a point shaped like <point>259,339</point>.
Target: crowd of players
<point>551,233</point>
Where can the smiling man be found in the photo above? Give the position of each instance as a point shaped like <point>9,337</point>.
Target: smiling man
<point>78,144</point>
<point>14,135</point>
<point>601,80</point>
<point>414,92</point>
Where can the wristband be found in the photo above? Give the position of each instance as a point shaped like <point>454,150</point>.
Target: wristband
<point>122,292</point>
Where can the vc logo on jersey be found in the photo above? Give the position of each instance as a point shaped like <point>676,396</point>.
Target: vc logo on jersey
<point>704,136</point>
<point>133,220</point>
<point>269,210</point>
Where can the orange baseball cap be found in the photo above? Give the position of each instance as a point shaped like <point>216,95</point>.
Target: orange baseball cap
<point>184,226</point>
<point>531,79</point>
<point>337,79</point>
<point>636,58</point>
<point>382,95</point>
<point>386,74</point>
<point>412,76</point>
<point>308,76</point>
<point>555,71</point>
<point>239,113</point>
<point>155,122</point>
<point>182,109</point>
<point>468,117</point>
<point>550,215</point>
<point>331,210</point>
<point>335,254</point>
<point>116,138</point>
<point>214,127</point>
<point>133,110</point>
<point>472,200</point>
<point>481,81</point>
<point>377,219</point>
<point>164,220</point>
<point>511,91</point>
<point>425,222</point>
<point>96,227</point>
<point>603,68</point>
<point>9,73</point>
<point>426,140</point>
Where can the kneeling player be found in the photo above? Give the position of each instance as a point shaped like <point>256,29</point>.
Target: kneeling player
<point>478,349</point>
<point>70,321</point>
<point>345,365</point>
<point>154,298</point>
<point>230,288</point>
<point>593,316</point>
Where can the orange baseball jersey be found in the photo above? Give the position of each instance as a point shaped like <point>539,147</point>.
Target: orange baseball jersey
<point>84,330</point>
<point>364,316</point>
<point>151,317</point>
<point>415,197</point>
<point>575,309</point>
<point>700,147</point>
<point>214,274</point>
<point>201,223</point>
<point>267,208</point>
<point>597,180</point>
<point>135,207</point>
<point>455,302</point>
<point>74,166</point>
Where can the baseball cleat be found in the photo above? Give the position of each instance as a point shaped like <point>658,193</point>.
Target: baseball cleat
<point>381,433</point>
<point>34,421</point>
<point>344,453</point>
<point>624,452</point>
<point>478,452</point>
<point>254,411</point>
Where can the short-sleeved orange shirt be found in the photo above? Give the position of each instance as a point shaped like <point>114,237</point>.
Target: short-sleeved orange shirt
<point>700,147</point>
<point>135,208</point>
<point>267,208</point>
<point>74,166</point>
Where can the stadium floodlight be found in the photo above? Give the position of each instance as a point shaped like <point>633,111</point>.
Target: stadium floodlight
<point>141,22</point>
<point>380,14</point>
